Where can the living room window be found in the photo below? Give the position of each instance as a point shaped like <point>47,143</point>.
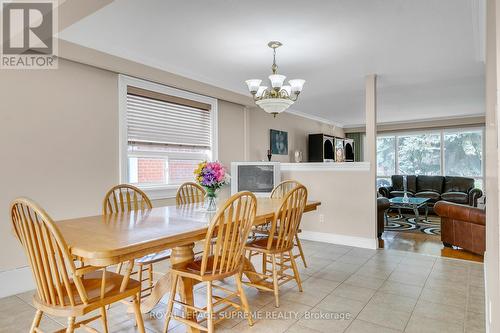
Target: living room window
<point>165,133</point>
<point>447,152</point>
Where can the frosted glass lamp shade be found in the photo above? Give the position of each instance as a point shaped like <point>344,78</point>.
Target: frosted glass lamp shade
<point>288,89</point>
<point>297,85</point>
<point>277,80</point>
<point>260,91</point>
<point>253,85</point>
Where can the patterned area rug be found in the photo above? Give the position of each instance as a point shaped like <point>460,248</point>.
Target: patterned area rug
<point>431,226</point>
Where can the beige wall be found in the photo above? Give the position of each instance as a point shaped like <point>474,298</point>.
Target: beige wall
<point>59,131</point>
<point>298,129</point>
<point>342,218</point>
<point>59,142</point>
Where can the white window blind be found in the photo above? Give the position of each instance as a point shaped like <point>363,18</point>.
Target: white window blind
<point>155,121</point>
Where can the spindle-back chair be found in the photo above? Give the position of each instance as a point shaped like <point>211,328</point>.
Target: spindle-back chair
<point>124,198</point>
<point>279,243</point>
<point>62,289</point>
<point>229,229</point>
<point>189,193</point>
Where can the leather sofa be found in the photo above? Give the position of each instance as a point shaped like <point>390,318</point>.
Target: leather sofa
<point>453,189</point>
<point>382,206</point>
<point>462,226</point>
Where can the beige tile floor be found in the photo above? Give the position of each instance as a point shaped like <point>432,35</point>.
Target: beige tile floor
<point>346,289</point>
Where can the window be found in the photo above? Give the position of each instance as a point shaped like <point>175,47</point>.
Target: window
<point>386,159</point>
<point>449,152</point>
<point>463,154</point>
<point>419,154</point>
<point>165,133</point>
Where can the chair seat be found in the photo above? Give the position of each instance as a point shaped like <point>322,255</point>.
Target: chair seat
<point>260,244</point>
<point>92,285</point>
<point>154,257</point>
<point>192,269</point>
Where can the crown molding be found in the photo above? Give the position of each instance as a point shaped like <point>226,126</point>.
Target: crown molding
<point>450,121</point>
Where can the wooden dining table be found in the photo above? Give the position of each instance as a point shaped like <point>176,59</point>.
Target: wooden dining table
<point>105,240</point>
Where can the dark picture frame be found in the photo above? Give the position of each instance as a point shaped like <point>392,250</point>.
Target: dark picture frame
<point>278,142</point>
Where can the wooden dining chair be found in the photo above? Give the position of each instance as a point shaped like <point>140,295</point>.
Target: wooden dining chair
<point>229,228</point>
<point>279,192</point>
<point>62,289</point>
<point>124,198</point>
<point>279,244</point>
<point>189,193</point>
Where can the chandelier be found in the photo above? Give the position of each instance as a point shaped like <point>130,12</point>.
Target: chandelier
<point>279,97</point>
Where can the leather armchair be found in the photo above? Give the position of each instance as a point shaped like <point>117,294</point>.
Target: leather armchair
<point>382,206</point>
<point>463,226</point>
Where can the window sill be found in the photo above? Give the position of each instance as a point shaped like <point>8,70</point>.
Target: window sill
<point>160,192</point>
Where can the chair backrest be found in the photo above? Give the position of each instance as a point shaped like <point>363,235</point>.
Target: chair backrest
<point>125,198</point>
<point>189,193</point>
<point>228,232</point>
<point>287,219</point>
<point>282,189</point>
<point>48,255</point>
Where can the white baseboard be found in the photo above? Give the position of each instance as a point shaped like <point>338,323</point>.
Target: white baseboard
<point>16,281</point>
<point>367,243</point>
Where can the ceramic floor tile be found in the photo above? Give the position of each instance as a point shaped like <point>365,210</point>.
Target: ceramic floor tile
<point>375,271</point>
<point>325,321</point>
<point>311,295</point>
<point>448,297</point>
<point>361,326</point>
<point>342,305</point>
<point>475,322</point>
<point>402,289</point>
<point>476,304</point>
<point>17,316</point>
<point>440,312</point>
<point>353,292</point>
<point>418,324</point>
<point>364,281</point>
<point>384,316</point>
<point>345,290</point>
<point>393,301</point>
<point>408,278</point>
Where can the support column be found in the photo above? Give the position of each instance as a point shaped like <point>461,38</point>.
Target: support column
<point>371,144</point>
<point>492,254</point>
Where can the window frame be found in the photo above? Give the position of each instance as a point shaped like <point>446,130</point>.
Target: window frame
<point>161,191</point>
<point>441,132</point>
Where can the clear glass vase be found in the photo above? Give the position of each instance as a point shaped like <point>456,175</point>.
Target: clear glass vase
<point>211,200</point>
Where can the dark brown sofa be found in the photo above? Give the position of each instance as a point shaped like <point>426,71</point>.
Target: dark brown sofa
<point>462,226</point>
<point>453,189</point>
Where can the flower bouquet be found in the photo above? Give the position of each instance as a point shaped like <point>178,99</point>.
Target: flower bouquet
<point>211,176</point>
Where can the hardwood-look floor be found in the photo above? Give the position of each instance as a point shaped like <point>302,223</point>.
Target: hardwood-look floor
<point>346,289</point>
<point>424,244</point>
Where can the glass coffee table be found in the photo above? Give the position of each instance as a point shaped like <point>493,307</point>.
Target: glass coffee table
<point>410,203</point>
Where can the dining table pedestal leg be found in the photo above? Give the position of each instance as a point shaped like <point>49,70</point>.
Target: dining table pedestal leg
<point>162,286</point>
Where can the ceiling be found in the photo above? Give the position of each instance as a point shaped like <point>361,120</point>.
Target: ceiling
<point>428,54</point>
